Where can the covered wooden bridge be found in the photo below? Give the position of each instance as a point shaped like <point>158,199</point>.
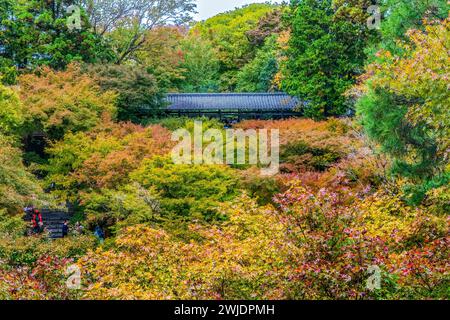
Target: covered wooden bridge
<point>233,106</point>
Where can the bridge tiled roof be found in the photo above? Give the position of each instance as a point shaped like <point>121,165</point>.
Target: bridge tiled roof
<point>227,101</point>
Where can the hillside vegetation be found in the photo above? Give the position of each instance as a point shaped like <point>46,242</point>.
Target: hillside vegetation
<point>358,210</point>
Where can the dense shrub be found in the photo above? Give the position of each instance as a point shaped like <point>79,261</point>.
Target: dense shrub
<point>121,207</point>
<point>331,133</point>
<point>306,158</point>
<point>242,259</point>
<point>341,233</point>
<point>44,280</point>
<point>188,191</point>
<point>18,250</point>
<point>174,123</point>
<point>260,188</point>
<point>309,145</point>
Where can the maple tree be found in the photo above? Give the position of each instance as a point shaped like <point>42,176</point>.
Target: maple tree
<point>103,157</point>
<point>242,259</point>
<point>56,102</point>
<point>12,113</point>
<point>162,55</point>
<point>18,187</point>
<point>359,209</point>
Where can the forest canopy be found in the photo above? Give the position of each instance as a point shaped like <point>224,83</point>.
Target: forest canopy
<point>362,192</point>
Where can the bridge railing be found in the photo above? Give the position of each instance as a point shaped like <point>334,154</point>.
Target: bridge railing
<point>229,114</point>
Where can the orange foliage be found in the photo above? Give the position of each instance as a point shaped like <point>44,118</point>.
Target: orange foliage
<point>331,132</point>
<point>104,157</point>
<point>136,144</point>
<point>62,101</point>
<point>308,145</point>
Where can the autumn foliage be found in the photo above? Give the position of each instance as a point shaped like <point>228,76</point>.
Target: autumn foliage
<point>57,102</point>
<point>359,209</point>
<point>104,157</point>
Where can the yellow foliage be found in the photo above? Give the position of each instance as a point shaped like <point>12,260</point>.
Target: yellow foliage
<point>242,259</point>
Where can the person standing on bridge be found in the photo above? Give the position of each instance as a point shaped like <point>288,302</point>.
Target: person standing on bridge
<point>36,220</point>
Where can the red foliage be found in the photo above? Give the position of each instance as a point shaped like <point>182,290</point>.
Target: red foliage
<point>46,279</point>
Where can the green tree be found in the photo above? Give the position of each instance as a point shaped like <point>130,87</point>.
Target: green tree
<point>405,107</point>
<point>326,52</point>
<point>227,33</point>
<point>126,23</point>
<point>200,65</point>
<point>11,112</point>
<point>138,91</point>
<point>188,191</point>
<point>402,15</point>
<point>35,33</point>
<point>258,74</point>
<point>17,186</point>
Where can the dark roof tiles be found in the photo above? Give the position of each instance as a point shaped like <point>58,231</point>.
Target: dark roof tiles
<point>227,101</point>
